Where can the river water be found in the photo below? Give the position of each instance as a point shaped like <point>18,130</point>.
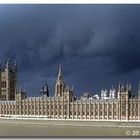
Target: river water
<point>28,129</point>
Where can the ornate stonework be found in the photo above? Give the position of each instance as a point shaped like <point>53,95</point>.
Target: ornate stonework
<point>64,104</point>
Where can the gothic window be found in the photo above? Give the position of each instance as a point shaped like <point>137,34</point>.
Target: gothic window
<point>55,106</point>
<point>96,106</point>
<point>100,106</point>
<point>51,106</point>
<point>12,84</point>
<point>59,106</point>
<point>110,113</point>
<point>123,113</point>
<point>123,106</point>
<point>3,84</point>
<point>32,106</point>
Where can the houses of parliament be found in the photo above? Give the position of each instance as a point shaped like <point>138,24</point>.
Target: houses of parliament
<point>110,105</point>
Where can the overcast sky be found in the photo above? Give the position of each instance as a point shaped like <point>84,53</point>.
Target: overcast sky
<point>97,45</point>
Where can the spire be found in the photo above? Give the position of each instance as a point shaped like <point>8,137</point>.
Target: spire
<point>119,87</point>
<point>127,86</point>
<point>60,70</point>
<point>112,87</point>
<point>0,67</point>
<point>139,85</point>
<point>72,88</point>
<point>7,64</point>
<point>60,77</point>
<point>46,90</point>
<point>60,85</point>
<point>122,87</point>
<point>139,90</point>
<point>41,90</point>
<point>60,73</point>
<point>130,87</point>
<point>46,87</point>
<point>15,66</point>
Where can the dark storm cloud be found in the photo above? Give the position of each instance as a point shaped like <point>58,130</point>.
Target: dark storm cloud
<point>125,58</point>
<point>42,36</point>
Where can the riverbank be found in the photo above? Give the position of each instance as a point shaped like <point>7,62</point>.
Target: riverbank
<point>70,128</point>
<point>42,130</point>
<point>71,122</point>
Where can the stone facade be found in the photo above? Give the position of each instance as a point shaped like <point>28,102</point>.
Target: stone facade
<point>64,104</point>
<point>8,82</point>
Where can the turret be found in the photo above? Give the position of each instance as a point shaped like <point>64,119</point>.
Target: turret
<point>112,93</point>
<point>119,89</point>
<point>124,90</point>
<point>15,76</point>
<point>69,93</point>
<point>7,72</point>
<point>21,94</point>
<point>44,90</point>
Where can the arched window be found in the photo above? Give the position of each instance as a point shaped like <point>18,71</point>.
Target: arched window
<point>3,84</point>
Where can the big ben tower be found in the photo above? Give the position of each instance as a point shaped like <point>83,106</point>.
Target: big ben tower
<point>60,85</point>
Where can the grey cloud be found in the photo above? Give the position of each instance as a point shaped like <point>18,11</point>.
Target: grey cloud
<point>41,36</point>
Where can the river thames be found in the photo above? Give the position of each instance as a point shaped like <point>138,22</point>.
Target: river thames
<point>29,128</point>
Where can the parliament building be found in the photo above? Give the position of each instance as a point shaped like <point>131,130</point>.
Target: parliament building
<point>110,105</point>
